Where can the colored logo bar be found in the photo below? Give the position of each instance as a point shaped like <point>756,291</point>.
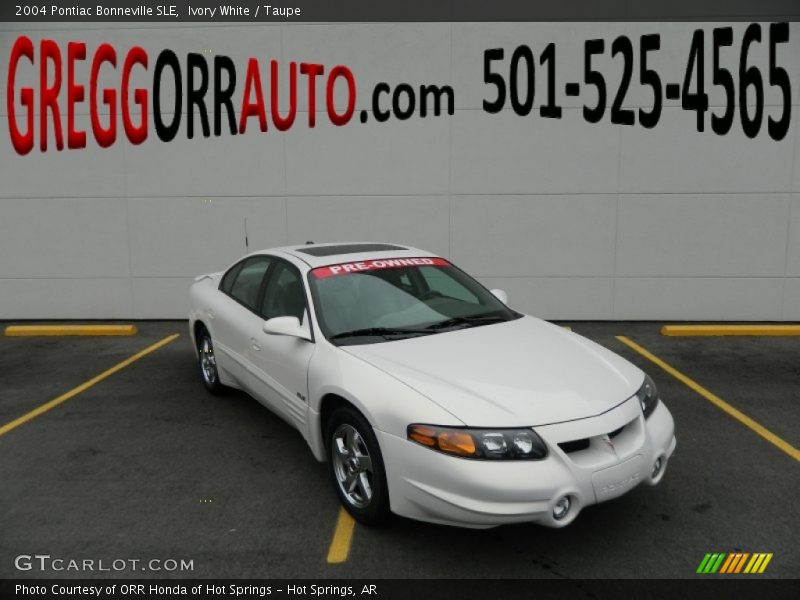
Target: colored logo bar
<point>734,562</point>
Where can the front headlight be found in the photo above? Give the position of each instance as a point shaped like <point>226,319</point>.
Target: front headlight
<point>498,444</point>
<point>648,396</point>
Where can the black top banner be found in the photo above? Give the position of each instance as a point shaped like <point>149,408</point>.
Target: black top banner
<point>261,11</point>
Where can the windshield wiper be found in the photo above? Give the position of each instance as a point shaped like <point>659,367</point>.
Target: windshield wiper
<point>386,332</point>
<point>468,320</point>
<point>380,331</point>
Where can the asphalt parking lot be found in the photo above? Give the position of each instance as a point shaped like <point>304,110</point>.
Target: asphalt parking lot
<point>145,464</point>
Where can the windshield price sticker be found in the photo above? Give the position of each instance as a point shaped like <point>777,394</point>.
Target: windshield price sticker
<point>373,265</point>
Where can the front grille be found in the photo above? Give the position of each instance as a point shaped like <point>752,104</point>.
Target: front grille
<point>574,445</point>
<point>584,443</point>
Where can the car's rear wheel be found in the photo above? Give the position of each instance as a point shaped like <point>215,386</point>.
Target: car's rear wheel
<point>207,362</point>
<point>356,466</point>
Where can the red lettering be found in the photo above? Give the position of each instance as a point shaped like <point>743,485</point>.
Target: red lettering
<point>22,103</point>
<point>22,142</point>
<point>48,99</point>
<point>312,70</point>
<point>136,134</point>
<point>283,123</point>
<point>105,137</point>
<point>340,71</point>
<point>75,138</point>
<point>253,81</point>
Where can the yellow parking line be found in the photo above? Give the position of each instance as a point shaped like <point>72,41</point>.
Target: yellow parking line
<point>84,386</point>
<point>342,536</point>
<point>725,330</point>
<point>765,433</point>
<point>58,330</point>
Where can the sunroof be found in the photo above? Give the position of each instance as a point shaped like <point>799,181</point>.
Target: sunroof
<point>348,249</point>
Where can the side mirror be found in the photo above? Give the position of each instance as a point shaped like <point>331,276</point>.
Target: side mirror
<point>289,326</point>
<point>500,295</point>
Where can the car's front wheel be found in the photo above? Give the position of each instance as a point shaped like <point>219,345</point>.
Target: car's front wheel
<point>207,362</point>
<point>356,466</point>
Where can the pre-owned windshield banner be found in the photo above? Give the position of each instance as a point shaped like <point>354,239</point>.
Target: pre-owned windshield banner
<point>377,264</point>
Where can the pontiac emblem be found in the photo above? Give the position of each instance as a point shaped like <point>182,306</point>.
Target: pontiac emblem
<point>609,444</point>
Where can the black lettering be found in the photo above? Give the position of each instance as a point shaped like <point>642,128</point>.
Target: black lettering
<point>196,96</point>
<point>167,133</point>
<point>403,114</point>
<point>380,115</point>
<point>222,97</point>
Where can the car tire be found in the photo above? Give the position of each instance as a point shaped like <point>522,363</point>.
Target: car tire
<point>207,363</point>
<point>355,464</point>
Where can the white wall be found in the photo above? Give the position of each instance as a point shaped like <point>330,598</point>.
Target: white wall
<point>574,220</point>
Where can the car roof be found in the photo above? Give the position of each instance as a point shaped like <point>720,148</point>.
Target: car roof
<point>321,254</point>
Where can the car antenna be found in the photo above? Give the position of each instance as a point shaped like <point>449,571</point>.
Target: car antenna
<point>246,241</point>
<point>309,242</point>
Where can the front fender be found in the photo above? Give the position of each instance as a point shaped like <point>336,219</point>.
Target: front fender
<point>387,403</point>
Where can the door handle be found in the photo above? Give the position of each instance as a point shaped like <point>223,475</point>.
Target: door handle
<point>210,314</point>
<point>254,345</point>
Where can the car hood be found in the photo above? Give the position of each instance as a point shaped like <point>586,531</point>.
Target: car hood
<point>519,373</point>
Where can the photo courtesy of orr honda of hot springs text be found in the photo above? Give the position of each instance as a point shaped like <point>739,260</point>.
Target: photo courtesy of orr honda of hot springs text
<point>423,391</point>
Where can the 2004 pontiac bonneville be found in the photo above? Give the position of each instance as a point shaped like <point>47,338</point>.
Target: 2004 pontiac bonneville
<point>426,394</point>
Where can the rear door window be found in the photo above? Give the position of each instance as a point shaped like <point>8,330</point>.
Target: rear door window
<point>247,283</point>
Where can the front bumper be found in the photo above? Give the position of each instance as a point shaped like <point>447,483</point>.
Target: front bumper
<point>435,487</point>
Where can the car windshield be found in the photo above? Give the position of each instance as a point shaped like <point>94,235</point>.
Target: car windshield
<point>381,300</point>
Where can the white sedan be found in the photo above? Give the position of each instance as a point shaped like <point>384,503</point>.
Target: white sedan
<point>426,394</point>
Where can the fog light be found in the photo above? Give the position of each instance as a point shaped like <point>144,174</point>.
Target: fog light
<point>561,508</point>
<point>657,467</point>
